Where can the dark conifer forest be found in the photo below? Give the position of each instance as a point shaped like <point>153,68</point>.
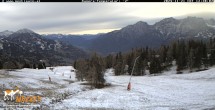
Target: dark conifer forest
<point>192,55</point>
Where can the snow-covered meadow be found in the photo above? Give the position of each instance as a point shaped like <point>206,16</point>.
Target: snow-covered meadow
<point>167,91</point>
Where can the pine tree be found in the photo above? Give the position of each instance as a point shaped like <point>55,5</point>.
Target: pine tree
<point>34,66</point>
<point>109,61</point>
<point>174,51</point>
<point>155,65</point>
<point>198,58</point>
<point>40,66</point>
<point>204,56</point>
<point>26,65</point>
<point>75,64</point>
<point>129,61</point>
<point>181,59</point>
<point>91,75</point>
<point>44,65</point>
<point>99,71</point>
<point>81,67</point>
<point>190,60</point>
<point>119,66</point>
<point>140,65</point>
<point>1,65</point>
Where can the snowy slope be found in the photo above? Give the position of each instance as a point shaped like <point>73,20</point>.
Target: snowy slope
<point>36,82</point>
<point>168,91</point>
<point>35,78</point>
<point>186,91</point>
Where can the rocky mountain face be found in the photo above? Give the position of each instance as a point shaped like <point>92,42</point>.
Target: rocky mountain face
<point>26,46</point>
<point>140,34</point>
<point>163,32</point>
<point>128,37</point>
<point>190,27</point>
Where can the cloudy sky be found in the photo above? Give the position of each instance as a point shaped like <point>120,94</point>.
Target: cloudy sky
<point>91,18</point>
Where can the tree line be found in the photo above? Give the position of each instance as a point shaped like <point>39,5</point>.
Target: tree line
<point>194,55</point>
<point>15,64</point>
<point>91,70</point>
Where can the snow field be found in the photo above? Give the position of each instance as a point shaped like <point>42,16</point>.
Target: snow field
<point>169,91</point>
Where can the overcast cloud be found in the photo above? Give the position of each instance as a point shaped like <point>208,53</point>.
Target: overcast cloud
<point>90,18</point>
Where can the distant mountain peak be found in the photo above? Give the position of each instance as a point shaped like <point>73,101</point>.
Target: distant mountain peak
<point>170,19</point>
<point>25,30</point>
<point>141,23</point>
<point>167,21</point>
<point>137,26</point>
<point>6,33</point>
<point>193,19</point>
<point>162,32</point>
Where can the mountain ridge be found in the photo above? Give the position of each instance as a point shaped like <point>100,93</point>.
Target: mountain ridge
<point>27,46</point>
<point>163,32</point>
<point>141,34</point>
